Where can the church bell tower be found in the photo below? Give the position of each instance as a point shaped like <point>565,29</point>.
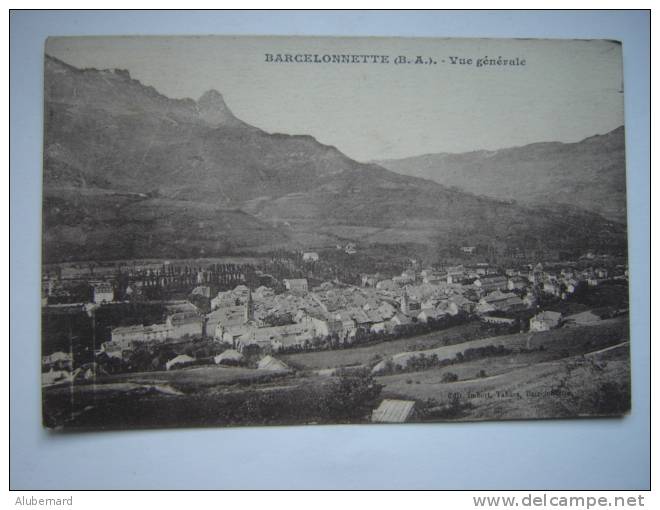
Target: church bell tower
<point>249,308</point>
<point>404,302</point>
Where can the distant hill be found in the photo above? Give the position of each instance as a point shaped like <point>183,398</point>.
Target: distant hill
<point>129,173</point>
<point>590,174</point>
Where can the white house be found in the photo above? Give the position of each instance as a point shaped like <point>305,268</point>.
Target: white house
<point>431,314</point>
<point>103,293</point>
<point>544,321</point>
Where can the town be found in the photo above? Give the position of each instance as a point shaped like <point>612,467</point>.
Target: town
<point>263,314</point>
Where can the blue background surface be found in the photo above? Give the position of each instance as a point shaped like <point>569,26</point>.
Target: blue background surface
<point>576,454</point>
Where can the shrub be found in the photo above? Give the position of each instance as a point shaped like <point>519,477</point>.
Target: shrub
<point>353,395</point>
<point>452,409</point>
<point>449,377</point>
<point>375,359</point>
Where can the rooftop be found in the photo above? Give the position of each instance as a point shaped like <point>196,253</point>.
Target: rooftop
<point>393,411</point>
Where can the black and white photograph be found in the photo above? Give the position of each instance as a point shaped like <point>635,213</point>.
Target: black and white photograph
<point>257,230</point>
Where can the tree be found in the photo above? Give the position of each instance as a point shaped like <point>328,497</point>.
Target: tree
<point>449,377</point>
<point>353,395</point>
<point>140,359</point>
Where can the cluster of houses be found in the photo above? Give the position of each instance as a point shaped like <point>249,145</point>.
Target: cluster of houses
<point>295,319</point>
<point>298,318</point>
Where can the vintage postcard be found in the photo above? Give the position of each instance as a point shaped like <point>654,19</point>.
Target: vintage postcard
<point>306,230</point>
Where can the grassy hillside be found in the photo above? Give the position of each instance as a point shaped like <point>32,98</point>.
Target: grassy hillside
<point>99,224</point>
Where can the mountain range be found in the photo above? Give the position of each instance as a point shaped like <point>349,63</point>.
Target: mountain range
<point>130,173</point>
<point>590,173</point>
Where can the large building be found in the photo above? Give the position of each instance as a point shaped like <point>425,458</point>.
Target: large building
<point>184,323</point>
<point>128,337</point>
<point>103,293</point>
<point>274,338</point>
<point>296,285</point>
<point>183,319</point>
<point>490,283</point>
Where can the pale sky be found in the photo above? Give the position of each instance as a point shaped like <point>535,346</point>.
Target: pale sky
<point>568,90</point>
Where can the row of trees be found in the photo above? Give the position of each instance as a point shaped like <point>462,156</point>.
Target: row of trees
<point>421,361</point>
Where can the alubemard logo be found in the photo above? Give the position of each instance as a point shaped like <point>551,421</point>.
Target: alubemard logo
<point>51,502</point>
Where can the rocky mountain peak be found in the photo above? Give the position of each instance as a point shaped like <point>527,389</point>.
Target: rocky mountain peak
<point>213,109</point>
